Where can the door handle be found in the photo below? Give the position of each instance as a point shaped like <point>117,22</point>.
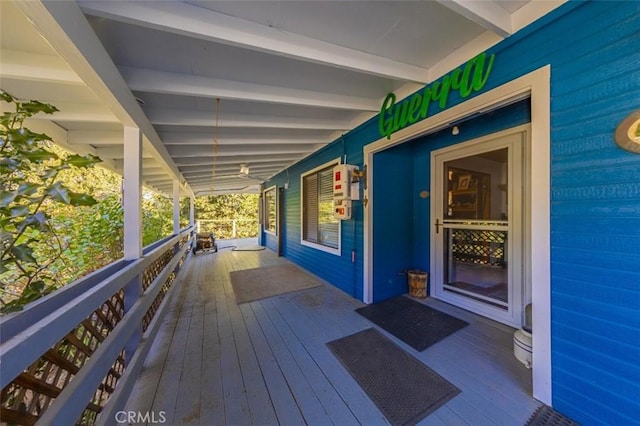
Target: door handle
<point>438,225</point>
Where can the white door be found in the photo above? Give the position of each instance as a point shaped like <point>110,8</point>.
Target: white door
<point>477,229</point>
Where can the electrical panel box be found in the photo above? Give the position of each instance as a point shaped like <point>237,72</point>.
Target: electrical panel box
<point>346,185</point>
<point>342,209</point>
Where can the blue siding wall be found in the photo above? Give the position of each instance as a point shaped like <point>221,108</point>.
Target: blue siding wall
<point>338,270</point>
<point>393,221</point>
<point>593,51</point>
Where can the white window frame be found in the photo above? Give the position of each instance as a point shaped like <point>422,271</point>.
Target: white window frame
<point>265,209</point>
<point>331,250</point>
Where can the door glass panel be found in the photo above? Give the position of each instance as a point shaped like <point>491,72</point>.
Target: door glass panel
<point>476,227</point>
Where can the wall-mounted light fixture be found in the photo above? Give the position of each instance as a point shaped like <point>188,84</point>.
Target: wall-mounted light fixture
<point>627,134</point>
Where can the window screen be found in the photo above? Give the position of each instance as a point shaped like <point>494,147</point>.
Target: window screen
<point>270,210</point>
<point>319,225</point>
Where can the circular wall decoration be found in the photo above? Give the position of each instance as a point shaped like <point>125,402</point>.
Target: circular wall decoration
<point>628,133</point>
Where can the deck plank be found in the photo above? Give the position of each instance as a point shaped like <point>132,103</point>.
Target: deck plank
<point>234,389</point>
<point>308,402</point>
<point>212,402</point>
<point>335,408</point>
<point>285,405</point>
<point>262,411</point>
<point>187,410</point>
<point>266,362</point>
<point>314,335</point>
<point>166,397</point>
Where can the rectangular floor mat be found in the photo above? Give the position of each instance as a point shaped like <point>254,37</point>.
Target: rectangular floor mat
<point>404,389</point>
<point>416,324</point>
<point>268,281</point>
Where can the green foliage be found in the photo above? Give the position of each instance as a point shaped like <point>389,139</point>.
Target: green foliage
<point>62,218</point>
<point>157,218</point>
<point>217,213</point>
<point>29,173</point>
<point>228,206</point>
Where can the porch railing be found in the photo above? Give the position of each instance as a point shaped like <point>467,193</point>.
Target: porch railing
<point>229,228</point>
<point>73,356</point>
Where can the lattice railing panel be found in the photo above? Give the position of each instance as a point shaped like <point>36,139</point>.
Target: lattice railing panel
<point>106,388</point>
<point>151,312</point>
<point>479,246</point>
<point>28,396</point>
<point>155,268</point>
<point>184,240</point>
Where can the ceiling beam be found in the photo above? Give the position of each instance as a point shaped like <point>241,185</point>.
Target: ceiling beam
<point>146,162</point>
<point>185,140</point>
<point>488,14</point>
<point>145,80</point>
<point>233,150</point>
<point>180,117</point>
<point>193,21</point>
<point>78,112</point>
<point>95,137</point>
<point>189,164</point>
<point>37,67</point>
<point>117,152</point>
<point>208,171</point>
<point>153,170</point>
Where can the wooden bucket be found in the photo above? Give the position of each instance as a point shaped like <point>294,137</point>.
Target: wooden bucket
<point>417,283</point>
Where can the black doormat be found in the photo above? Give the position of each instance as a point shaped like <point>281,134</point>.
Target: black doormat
<point>547,416</point>
<point>404,389</point>
<point>418,325</point>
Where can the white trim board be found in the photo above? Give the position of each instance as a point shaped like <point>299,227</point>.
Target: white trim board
<point>273,188</point>
<point>535,85</point>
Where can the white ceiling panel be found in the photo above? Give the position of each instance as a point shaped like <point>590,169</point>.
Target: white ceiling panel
<point>290,76</point>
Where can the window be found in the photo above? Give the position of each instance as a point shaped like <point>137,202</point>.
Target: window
<point>269,197</point>
<point>319,228</point>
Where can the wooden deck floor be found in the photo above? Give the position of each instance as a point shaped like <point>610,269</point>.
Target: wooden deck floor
<point>266,363</point>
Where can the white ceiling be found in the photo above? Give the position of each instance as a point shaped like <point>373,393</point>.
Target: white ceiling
<point>290,76</point>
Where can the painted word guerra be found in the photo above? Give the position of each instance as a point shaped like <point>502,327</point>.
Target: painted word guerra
<point>470,78</point>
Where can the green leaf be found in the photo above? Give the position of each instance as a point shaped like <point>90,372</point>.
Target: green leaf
<point>27,188</point>
<point>37,220</point>
<point>23,253</point>
<point>19,211</point>
<point>39,155</point>
<point>5,96</point>
<point>77,199</point>
<point>10,163</point>
<point>52,172</point>
<point>82,160</point>
<point>33,107</point>
<point>59,193</point>
<point>6,198</point>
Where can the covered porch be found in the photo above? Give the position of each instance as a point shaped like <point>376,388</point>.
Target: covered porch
<point>266,361</point>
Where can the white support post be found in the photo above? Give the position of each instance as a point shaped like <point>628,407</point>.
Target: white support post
<point>132,193</point>
<point>176,207</point>
<point>192,211</point>
<point>132,205</point>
